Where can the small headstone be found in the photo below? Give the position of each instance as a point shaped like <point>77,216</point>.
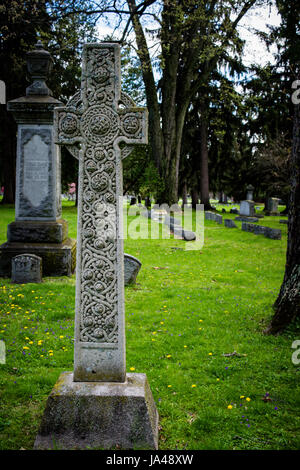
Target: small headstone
<point>283,221</point>
<point>268,232</point>
<point>131,269</point>
<point>229,223</point>
<point>218,218</point>
<point>234,211</point>
<point>187,235</point>
<point>246,219</point>
<point>26,268</point>
<point>272,206</point>
<point>247,208</point>
<point>273,233</point>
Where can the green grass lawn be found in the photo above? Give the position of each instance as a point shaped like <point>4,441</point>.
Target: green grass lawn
<point>187,312</point>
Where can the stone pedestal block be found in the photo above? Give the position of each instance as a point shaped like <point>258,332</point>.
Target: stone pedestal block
<point>99,415</point>
<point>37,231</point>
<point>59,259</point>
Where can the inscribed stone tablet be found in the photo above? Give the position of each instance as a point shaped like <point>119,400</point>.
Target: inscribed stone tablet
<point>26,268</point>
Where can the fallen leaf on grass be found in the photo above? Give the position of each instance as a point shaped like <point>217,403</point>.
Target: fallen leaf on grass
<point>266,399</point>
<point>159,267</point>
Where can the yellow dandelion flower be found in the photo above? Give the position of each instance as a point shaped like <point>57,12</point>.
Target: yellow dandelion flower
<point>194,385</point>
<point>229,407</point>
<point>168,355</point>
<point>169,386</point>
<point>210,354</point>
<point>25,347</point>
<point>248,399</point>
<point>132,368</point>
<point>242,396</point>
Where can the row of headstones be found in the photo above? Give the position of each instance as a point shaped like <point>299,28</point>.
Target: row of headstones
<point>29,268</point>
<point>268,232</point>
<point>173,224</point>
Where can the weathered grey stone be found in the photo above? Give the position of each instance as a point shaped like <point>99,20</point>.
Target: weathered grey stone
<point>26,268</point>
<point>99,406</point>
<point>246,219</point>
<point>98,119</point>
<point>209,215</point>
<point>250,190</point>
<point>229,223</point>
<point>37,232</point>
<point>249,227</point>
<point>272,206</point>
<point>59,259</point>
<point>234,211</point>
<point>131,269</point>
<point>247,208</point>
<point>38,228</point>
<point>273,233</point>
<point>213,216</point>
<point>95,415</point>
<point>283,221</point>
<point>187,235</point>
<point>268,232</point>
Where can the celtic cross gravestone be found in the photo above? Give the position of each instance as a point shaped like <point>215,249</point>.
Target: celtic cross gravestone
<point>99,404</point>
<point>93,125</point>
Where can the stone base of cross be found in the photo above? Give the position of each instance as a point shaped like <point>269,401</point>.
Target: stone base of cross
<point>99,405</point>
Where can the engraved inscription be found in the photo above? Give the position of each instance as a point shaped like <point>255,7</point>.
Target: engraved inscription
<point>36,170</point>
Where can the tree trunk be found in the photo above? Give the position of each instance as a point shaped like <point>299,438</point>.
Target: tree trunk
<point>184,194</point>
<point>195,197</point>
<point>204,177</point>
<point>287,305</point>
<point>155,134</point>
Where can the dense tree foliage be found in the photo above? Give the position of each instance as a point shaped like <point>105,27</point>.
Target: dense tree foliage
<point>21,23</point>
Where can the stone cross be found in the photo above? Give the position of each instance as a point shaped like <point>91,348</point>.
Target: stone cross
<point>100,125</point>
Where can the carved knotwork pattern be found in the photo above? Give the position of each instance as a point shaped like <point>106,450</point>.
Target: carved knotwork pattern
<point>89,126</point>
<point>99,255</point>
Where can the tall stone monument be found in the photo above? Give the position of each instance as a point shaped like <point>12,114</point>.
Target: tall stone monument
<point>38,227</point>
<point>99,405</point>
